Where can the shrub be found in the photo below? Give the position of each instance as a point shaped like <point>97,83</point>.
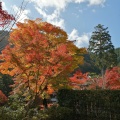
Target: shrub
<point>59,113</point>
<point>16,109</point>
<point>91,104</point>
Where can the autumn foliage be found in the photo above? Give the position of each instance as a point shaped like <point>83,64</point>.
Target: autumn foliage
<point>3,98</point>
<point>78,80</point>
<point>112,78</point>
<point>38,54</point>
<point>5,18</point>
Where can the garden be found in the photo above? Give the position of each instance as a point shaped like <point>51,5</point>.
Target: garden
<point>45,76</point>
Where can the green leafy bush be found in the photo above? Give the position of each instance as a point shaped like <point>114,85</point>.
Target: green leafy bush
<point>59,113</point>
<point>17,109</point>
<point>91,104</point>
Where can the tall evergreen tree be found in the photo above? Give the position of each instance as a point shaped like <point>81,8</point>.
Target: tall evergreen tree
<point>117,51</point>
<point>101,49</point>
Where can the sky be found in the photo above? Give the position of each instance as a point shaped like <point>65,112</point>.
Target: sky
<point>77,17</point>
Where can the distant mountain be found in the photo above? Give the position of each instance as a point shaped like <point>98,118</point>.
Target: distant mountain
<point>88,66</point>
<point>4,35</point>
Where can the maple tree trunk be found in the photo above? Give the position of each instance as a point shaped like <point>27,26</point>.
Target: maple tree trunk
<point>45,104</point>
<point>28,82</point>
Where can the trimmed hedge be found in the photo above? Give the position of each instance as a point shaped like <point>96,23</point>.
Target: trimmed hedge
<point>91,104</point>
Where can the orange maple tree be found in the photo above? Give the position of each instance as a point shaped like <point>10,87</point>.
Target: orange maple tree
<point>5,18</point>
<point>3,98</point>
<point>37,56</point>
<point>95,82</point>
<point>112,78</point>
<point>79,80</point>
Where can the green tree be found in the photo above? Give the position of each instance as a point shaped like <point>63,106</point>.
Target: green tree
<point>5,82</point>
<point>117,51</point>
<point>101,49</point>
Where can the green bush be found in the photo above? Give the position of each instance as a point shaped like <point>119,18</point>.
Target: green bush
<point>53,113</point>
<point>59,113</point>
<point>91,104</point>
<point>7,114</point>
<point>13,110</point>
<point>17,109</point>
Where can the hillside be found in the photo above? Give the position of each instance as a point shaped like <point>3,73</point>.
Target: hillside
<point>4,35</point>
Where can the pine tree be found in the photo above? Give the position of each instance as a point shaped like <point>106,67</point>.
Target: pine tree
<point>101,49</point>
<point>117,51</point>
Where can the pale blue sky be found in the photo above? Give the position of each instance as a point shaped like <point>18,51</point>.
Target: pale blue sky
<point>77,17</point>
